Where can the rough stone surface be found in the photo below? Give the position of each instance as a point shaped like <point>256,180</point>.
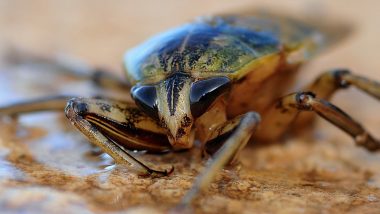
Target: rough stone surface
<point>46,166</point>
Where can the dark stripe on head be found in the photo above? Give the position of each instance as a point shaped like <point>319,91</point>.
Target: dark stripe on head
<point>173,86</point>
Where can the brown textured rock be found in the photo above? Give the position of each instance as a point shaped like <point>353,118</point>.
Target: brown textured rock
<point>46,166</point>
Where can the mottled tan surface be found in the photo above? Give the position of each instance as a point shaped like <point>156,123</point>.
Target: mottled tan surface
<point>46,166</point>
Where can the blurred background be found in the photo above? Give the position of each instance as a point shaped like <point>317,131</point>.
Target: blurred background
<point>99,32</point>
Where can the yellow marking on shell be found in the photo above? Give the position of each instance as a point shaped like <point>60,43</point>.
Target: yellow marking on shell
<point>252,66</point>
<point>250,89</point>
<point>246,69</point>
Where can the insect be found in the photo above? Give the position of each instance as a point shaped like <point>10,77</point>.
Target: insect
<point>214,80</point>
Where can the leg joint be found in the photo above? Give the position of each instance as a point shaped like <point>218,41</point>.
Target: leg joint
<point>76,106</point>
<point>98,75</point>
<point>303,100</point>
<point>338,75</point>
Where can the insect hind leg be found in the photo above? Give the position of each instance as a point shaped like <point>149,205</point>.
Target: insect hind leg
<point>285,111</point>
<point>69,66</point>
<point>48,103</point>
<point>277,119</point>
<point>329,82</point>
<point>51,103</point>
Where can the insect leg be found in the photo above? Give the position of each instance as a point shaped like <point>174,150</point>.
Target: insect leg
<point>112,126</point>
<point>327,83</point>
<point>71,67</point>
<point>52,103</point>
<point>331,81</point>
<point>115,127</point>
<point>224,144</point>
<point>279,117</point>
<point>48,103</point>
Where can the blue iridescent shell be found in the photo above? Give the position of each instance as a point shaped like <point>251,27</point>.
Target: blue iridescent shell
<point>220,45</point>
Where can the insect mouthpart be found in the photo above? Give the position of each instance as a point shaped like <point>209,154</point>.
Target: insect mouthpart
<point>173,104</point>
<point>177,101</point>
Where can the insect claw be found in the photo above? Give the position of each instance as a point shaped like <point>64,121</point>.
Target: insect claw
<point>170,171</point>
<point>157,174</point>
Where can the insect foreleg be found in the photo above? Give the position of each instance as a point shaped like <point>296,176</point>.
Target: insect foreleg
<point>117,126</point>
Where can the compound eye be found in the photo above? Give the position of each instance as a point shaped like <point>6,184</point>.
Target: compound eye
<point>204,92</point>
<point>146,98</point>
